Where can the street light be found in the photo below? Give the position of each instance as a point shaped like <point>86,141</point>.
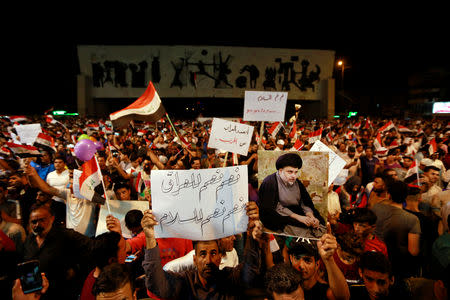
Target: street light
<point>340,63</point>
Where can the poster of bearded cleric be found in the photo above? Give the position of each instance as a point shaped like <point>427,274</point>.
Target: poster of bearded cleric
<point>293,189</point>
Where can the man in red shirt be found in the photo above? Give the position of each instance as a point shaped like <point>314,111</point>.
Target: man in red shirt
<point>364,221</point>
<point>170,248</point>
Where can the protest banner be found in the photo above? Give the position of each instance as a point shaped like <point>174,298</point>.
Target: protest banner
<point>28,132</point>
<point>265,106</point>
<point>335,163</point>
<point>201,204</point>
<point>230,136</point>
<point>119,209</point>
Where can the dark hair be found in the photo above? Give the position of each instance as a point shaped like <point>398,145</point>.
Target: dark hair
<point>375,261</point>
<point>133,218</point>
<point>61,157</point>
<point>282,279</point>
<point>37,206</point>
<point>105,247</point>
<point>350,243</point>
<point>364,215</point>
<point>302,248</point>
<point>398,190</point>
<point>121,184</point>
<point>289,160</point>
<point>112,278</point>
<point>428,168</point>
<point>195,244</point>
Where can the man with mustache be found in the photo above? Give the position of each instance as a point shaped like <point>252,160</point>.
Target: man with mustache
<point>207,281</point>
<point>64,255</point>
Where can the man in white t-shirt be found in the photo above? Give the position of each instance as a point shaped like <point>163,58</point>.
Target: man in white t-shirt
<point>60,177</point>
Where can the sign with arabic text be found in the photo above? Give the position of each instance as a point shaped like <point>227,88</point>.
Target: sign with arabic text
<point>204,204</point>
<point>230,136</point>
<point>265,106</point>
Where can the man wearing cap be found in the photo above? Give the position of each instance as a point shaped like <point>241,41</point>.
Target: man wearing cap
<point>286,205</point>
<point>280,145</point>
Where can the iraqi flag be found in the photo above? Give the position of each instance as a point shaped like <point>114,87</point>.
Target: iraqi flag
<point>388,126</point>
<point>356,125</point>
<point>49,119</point>
<point>403,129</point>
<point>293,133</point>
<point>273,130</point>
<point>349,135</point>
<point>17,119</point>
<point>139,184</point>
<point>45,141</point>
<point>433,146</point>
<point>91,185</point>
<point>147,108</point>
<point>23,151</point>
<point>298,145</point>
<point>377,142</point>
<point>412,175</point>
<point>329,137</point>
<point>394,144</point>
<point>368,124</point>
<point>315,136</point>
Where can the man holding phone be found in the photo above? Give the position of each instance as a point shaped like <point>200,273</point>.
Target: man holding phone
<point>63,254</point>
<point>19,293</point>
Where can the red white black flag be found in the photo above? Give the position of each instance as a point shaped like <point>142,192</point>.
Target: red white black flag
<point>148,108</point>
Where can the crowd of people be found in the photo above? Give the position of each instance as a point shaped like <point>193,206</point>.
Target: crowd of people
<point>386,234</point>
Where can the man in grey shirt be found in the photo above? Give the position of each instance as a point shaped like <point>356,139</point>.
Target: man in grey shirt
<point>400,230</point>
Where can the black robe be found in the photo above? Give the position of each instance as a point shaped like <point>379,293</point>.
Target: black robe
<point>269,198</point>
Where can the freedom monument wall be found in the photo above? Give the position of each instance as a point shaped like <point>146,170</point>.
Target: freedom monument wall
<point>108,72</point>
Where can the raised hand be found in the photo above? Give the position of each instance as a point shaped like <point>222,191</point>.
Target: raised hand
<point>148,222</point>
<point>327,244</point>
<point>113,224</point>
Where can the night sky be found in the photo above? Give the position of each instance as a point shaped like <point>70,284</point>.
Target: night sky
<point>382,50</point>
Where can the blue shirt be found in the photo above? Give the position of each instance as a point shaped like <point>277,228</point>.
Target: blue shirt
<point>43,170</point>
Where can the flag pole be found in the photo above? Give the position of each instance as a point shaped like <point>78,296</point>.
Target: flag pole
<point>225,161</point>
<point>261,132</point>
<point>167,116</point>
<point>103,184</point>
<point>417,173</point>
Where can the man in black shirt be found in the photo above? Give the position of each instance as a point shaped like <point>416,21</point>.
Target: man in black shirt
<point>305,258</point>
<point>64,255</point>
<point>375,270</point>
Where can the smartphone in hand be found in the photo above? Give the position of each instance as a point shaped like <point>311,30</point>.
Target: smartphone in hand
<point>30,276</point>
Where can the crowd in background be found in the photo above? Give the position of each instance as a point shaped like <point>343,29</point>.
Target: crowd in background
<point>394,200</point>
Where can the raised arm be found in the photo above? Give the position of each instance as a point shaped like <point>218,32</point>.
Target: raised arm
<point>163,284</point>
<point>37,182</point>
<point>338,285</point>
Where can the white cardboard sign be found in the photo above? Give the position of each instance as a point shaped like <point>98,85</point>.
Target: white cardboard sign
<point>230,136</point>
<point>335,162</point>
<point>201,204</point>
<point>265,106</point>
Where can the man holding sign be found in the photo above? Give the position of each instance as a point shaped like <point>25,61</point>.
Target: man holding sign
<point>206,281</point>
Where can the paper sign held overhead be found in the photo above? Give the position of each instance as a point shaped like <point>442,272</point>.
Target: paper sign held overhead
<point>230,136</point>
<point>201,204</point>
<point>28,132</point>
<point>265,106</point>
<point>335,162</point>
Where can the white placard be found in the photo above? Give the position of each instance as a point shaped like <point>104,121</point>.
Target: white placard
<point>118,209</point>
<point>201,204</point>
<point>335,162</point>
<point>230,136</point>
<point>28,132</point>
<point>265,106</point>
